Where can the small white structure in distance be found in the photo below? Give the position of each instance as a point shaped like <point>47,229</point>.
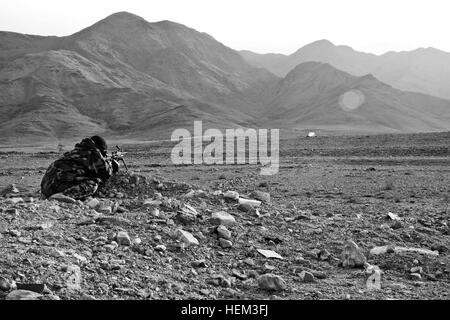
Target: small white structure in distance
<point>311,135</point>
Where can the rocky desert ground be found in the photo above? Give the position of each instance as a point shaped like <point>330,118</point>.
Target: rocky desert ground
<point>348,217</point>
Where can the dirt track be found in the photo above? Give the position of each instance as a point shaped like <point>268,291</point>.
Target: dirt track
<point>328,190</point>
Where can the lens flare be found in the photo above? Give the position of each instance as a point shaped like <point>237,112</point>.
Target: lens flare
<point>351,100</point>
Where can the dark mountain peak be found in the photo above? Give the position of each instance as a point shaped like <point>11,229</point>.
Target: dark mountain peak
<point>118,22</point>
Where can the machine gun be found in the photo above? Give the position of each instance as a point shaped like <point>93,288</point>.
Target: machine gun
<point>118,156</point>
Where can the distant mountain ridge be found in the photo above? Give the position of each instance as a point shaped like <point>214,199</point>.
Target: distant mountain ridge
<point>425,70</point>
<point>129,78</point>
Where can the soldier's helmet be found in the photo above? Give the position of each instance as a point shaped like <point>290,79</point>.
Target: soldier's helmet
<point>101,144</point>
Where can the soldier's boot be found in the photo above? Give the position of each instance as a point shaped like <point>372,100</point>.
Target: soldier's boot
<point>83,190</point>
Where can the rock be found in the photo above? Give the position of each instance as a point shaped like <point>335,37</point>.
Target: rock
<point>134,179</point>
<point>253,203</point>
<point>34,287</point>
<point>315,253</point>
<point>187,238</point>
<point>418,270</point>
<point>137,241</point>
<point>415,276</point>
<point>233,195</point>
<point>14,200</point>
<point>11,189</point>
<point>250,262</point>
<point>439,247</point>
<point>271,282</point>
<point>122,238</point>
<point>155,212</point>
<point>393,216</point>
<point>262,196</point>
<point>269,254</point>
<point>15,233</point>
<point>23,295</point>
<point>324,255</point>
<point>93,203</point>
<point>352,256</point>
<point>396,225</point>
<point>319,274</point>
<point>151,202</point>
<point>307,277</point>
<point>373,281</point>
<point>222,218</point>
<point>199,264</point>
<point>161,248</point>
<point>223,232</point>
<point>239,275</point>
<point>268,268</point>
<point>245,207</point>
<point>73,277</point>
<point>225,244</point>
<point>4,284</point>
<point>386,249</point>
<point>105,209</point>
<point>80,257</point>
<point>62,198</point>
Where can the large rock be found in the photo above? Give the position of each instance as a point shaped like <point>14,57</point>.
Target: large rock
<point>373,281</point>
<point>222,218</point>
<point>386,249</point>
<point>93,203</point>
<point>225,244</point>
<point>253,203</point>
<point>262,196</point>
<point>62,198</point>
<point>73,277</point>
<point>23,295</point>
<point>307,277</point>
<point>352,256</point>
<point>123,238</point>
<point>232,195</point>
<point>223,232</point>
<point>271,282</point>
<point>270,254</point>
<point>4,284</point>
<point>187,238</point>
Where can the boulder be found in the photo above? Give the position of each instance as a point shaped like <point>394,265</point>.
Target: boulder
<point>62,198</point>
<point>352,256</point>
<point>187,238</point>
<point>23,295</point>
<point>261,196</point>
<point>271,282</point>
<point>222,218</point>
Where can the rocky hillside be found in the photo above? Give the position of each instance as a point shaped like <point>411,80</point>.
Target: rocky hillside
<point>118,75</point>
<point>320,96</point>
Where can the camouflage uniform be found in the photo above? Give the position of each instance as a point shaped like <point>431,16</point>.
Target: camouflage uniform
<point>78,173</point>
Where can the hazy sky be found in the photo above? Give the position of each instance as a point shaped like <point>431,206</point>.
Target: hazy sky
<point>263,26</point>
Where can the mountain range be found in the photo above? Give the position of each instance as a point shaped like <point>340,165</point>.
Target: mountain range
<point>129,78</point>
<point>425,70</point>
